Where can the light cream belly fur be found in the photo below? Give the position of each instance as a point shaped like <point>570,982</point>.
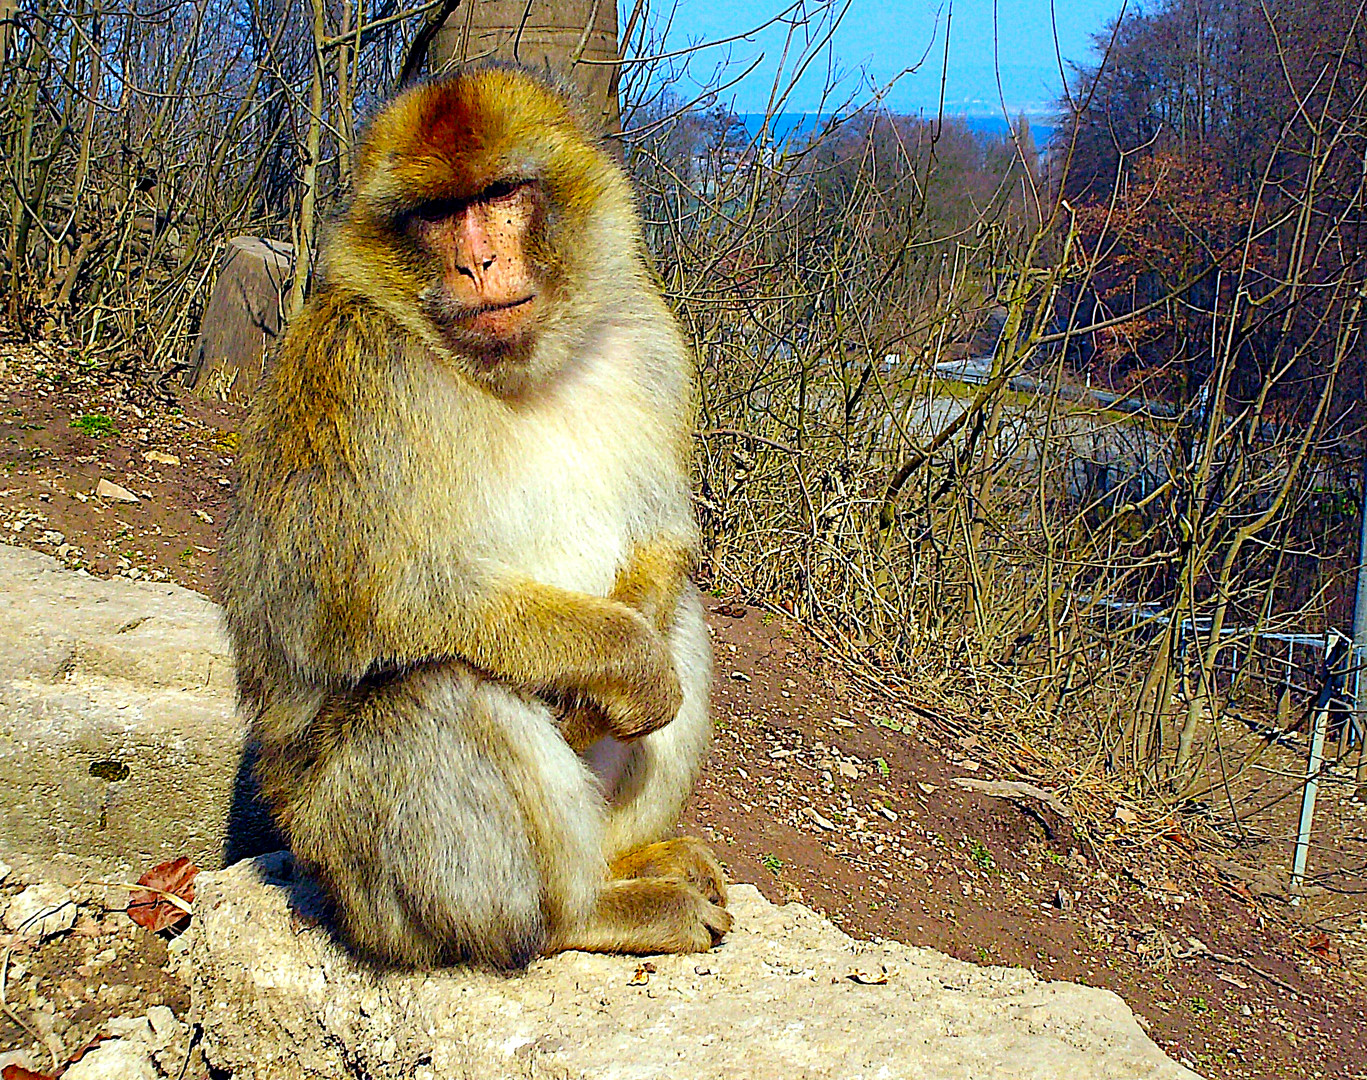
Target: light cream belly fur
<point>582,480</point>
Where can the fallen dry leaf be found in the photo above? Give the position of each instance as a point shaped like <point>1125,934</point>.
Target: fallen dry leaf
<point>1126,816</point>
<point>643,974</point>
<point>869,978</point>
<point>1321,945</point>
<point>18,1072</point>
<point>150,908</point>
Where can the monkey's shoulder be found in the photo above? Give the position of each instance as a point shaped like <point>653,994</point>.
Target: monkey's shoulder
<point>334,347</point>
<point>323,380</point>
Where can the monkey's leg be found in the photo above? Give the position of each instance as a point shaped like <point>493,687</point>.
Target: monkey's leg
<point>449,821</point>
<point>648,780</point>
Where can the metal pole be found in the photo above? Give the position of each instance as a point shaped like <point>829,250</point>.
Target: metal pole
<point>1312,770</point>
<point>1312,783</point>
<point>1359,652</point>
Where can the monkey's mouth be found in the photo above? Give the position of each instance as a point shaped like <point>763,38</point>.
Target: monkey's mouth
<point>498,321</point>
<point>482,328</point>
<point>479,311</point>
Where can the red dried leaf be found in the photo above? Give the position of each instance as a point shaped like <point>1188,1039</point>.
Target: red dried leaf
<point>18,1072</point>
<point>151,910</point>
<point>1321,945</point>
<point>101,1037</point>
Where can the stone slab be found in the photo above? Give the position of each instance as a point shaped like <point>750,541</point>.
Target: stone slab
<point>279,999</point>
<point>119,743</point>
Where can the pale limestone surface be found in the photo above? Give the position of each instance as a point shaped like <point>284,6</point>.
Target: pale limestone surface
<point>119,744</point>
<point>278,999</point>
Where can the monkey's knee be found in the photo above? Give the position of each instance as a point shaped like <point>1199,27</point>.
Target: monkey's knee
<point>451,823</point>
<point>420,894</point>
<point>422,842</point>
<point>413,930</point>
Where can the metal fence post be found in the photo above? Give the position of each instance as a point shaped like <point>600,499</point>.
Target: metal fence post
<point>1332,660</point>
<point>1359,653</point>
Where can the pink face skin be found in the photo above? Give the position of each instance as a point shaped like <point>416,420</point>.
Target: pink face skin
<point>486,297</point>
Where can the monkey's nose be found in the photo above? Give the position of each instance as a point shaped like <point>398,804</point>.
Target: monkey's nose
<point>468,270</point>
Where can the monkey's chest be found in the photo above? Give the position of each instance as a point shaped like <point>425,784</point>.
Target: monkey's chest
<point>563,503</point>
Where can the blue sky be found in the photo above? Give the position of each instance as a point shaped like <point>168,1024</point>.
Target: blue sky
<point>883,37</point>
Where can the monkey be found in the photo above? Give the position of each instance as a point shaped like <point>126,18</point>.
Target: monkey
<point>457,570</point>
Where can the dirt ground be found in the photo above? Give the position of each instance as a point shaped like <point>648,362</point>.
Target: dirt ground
<point>826,785</point>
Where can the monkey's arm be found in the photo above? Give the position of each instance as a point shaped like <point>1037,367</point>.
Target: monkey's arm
<point>650,582</point>
<point>566,645</point>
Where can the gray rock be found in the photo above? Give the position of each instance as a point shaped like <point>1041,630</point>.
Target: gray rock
<point>116,1059</point>
<point>279,999</point>
<point>41,911</point>
<point>119,748</point>
<point>164,1024</point>
<point>119,743</point>
<point>242,319</point>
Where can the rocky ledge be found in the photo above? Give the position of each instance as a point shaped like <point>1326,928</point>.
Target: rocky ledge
<point>786,995</point>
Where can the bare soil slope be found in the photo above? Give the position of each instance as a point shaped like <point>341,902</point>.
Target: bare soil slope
<point>826,785</point>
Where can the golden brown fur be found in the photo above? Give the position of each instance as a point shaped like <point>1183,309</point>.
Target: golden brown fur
<point>463,495</point>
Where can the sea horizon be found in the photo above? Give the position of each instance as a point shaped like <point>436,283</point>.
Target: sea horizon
<point>785,126</point>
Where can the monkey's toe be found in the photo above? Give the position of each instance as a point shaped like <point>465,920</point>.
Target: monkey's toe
<point>699,924</point>
<point>685,858</point>
<point>718,922</point>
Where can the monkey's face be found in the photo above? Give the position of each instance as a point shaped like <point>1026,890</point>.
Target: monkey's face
<point>490,222</point>
<point>487,288</point>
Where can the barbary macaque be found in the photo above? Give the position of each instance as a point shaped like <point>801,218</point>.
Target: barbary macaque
<point>457,570</point>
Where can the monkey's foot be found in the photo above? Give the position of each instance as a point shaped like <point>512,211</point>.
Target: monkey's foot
<point>684,859</point>
<point>648,915</point>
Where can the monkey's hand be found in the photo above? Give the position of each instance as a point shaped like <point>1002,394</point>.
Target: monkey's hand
<point>653,577</point>
<point>650,582</point>
<point>639,691</point>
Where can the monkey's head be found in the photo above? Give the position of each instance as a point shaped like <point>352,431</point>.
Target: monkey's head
<point>490,221</point>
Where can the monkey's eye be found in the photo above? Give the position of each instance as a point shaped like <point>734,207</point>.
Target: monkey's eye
<point>500,189</point>
<point>435,210</point>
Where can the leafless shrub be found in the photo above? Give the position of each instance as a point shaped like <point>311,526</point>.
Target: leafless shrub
<point>903,332</point>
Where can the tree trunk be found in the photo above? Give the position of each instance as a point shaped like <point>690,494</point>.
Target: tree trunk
<point>576,39</point>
